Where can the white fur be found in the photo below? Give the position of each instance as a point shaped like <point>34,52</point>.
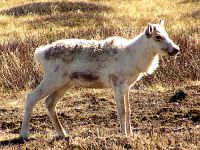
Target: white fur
<point>39,54</point>
<point>112,63</point>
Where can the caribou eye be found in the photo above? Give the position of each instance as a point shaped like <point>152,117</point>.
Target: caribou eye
<point>158,38</point>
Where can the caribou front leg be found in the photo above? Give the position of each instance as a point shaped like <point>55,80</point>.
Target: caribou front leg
<point>121,90</point>
<point>128,113</point>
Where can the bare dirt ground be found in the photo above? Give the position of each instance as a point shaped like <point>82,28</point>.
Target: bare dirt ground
<point>90,117</point>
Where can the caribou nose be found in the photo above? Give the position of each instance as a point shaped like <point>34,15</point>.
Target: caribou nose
<point>176,50</point>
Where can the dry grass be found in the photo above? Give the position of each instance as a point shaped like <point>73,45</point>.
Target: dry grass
<point>90,116</point>
<point>26,25</point>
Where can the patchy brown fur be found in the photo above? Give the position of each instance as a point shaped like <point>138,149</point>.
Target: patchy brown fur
<point>68,52</point>
<point>84,79</point>
<point>57,67</point>
<point>85,76</point>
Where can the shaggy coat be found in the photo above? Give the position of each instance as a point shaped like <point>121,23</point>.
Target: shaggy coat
<point>112,63</point>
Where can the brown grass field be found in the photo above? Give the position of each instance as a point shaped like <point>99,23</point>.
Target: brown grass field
<point>90,115</point>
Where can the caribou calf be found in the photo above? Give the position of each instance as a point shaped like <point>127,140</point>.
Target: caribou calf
<point>115,63</point>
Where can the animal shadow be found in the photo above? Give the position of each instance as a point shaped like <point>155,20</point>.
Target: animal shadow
<point>14,141</point>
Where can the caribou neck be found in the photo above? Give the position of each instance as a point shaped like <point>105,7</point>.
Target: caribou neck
<point>139,49</point>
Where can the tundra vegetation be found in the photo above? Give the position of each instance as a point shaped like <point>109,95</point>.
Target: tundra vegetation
<point>90,116</point>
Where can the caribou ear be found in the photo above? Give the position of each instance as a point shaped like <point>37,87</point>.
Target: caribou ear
<point>149,30</point>
<point>162,22</point>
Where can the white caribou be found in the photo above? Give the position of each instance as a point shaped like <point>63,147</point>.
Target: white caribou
<point>112,63</point>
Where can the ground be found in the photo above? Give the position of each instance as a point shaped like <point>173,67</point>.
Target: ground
<point>161,119</point>
<point>90,117</point>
